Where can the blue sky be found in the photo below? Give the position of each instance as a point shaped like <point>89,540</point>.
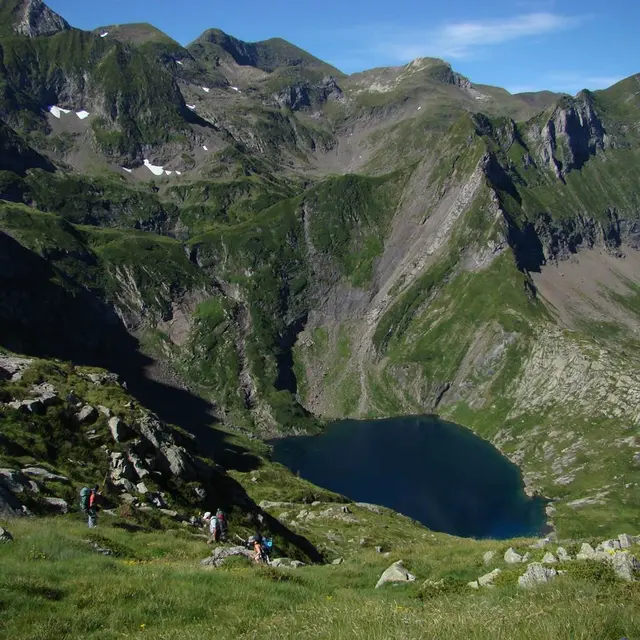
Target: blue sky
<point>521,45</point>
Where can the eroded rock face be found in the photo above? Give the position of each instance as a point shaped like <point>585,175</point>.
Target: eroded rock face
<point>36,19</point>
<point>626,565</point>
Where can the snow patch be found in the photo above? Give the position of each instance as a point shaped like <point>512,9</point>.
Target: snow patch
<point>205,148</point>
<point>178,173</point>
<point>419,108</point>
<point>155,169</point>
<point>180,63</point>
<point>57,111</point>
<point>206,89</point>
<point>168,172</point>
<point>191,106</point>
<point>236,89</point>
<point>104,35</point>
<point>127,170</point>
<point>82,114</point>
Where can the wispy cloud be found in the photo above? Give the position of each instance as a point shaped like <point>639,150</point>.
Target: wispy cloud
<point>454,40</point>
<point>567,82</point>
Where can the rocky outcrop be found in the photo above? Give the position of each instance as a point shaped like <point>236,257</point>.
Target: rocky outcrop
<point>395,573</point>
<point>220,554</point>
<point>12,368</point>
<point>306,95</point>
<point>535,575</point>
<point>572,134</point>
<point>35,19</point>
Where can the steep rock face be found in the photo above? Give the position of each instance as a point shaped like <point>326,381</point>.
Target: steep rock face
<point>572,134</point>
<point>36,19</point>
<point>304,95</point>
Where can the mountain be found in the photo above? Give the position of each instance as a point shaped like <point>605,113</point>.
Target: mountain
<point>294,245</point>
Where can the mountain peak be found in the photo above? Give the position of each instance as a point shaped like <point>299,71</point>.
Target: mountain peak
<point>33,18</point>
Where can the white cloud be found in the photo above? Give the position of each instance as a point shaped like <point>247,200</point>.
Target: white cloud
<point>567,82</point>
<point>454,40</point>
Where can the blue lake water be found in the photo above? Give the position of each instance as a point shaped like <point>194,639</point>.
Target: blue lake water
<point>436,472</point>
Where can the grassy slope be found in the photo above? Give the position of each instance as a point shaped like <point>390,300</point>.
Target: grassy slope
<point>53,585</point>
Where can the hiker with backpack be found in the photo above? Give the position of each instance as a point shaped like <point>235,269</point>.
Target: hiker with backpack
<point>88,505</point>
<point>261,548</point>
<point>217,526</point>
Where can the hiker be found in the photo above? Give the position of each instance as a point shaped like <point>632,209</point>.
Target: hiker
<point>215,527</point>
<point>222,524</point>
<point>89,504</point>
<point>261,547</point>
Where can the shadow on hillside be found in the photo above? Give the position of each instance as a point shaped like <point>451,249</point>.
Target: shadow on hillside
<point>45,315</point>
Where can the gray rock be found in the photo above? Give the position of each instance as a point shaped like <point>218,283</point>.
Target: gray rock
<point>562,554</point>
<point>337,561</point>
<point>44,475</point>
<point>119,430</point>
<point>12,368</point>
<point>586,552</point>
<point>105,411</point>
<point>488,579</point>
<point>625,565</point>
<point>10,506</point>
<point>549,558</point>
<point>15,481</point>
<point>536,574</point>
<point>177,461</point>
<point>142,488</point>
<point>395,573</point>
<point>488,557</point>
<point>220,554</point>
<point>626,541</point>
<point>266,504</point>
<point>138,465</point>
<point>121,468</point>
<point>608,545</point>
<point>540,544</point>
<point>102,378</point>
<point>378,549</point>
<point>473,585</point>
<point>316,503</point>
<point>511,557</point>
<point>5,536</point>
<point>86,415</point>
<point>296,563</point>
<point>57,504</point>
<point>45,394</point>
<point>36,19</point>
<point>170,513</point>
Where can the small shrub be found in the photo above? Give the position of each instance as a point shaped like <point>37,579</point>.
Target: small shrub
<point>447,586</point>
<point>592,571</point>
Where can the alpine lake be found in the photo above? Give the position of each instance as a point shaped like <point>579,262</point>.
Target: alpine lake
<point>433,471</point>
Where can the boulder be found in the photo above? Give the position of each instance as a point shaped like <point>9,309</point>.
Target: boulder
<point>562,554</point>
<point>119,430</point>
<point>378,549</point>
<point>337,561</point>
<point>15,481</point>
<point>5,536</point>
<point>177,461</point>
<point>488,579</point>
<point>374,508</point>
<point>540,544</point>
<point>586,552</point>
<point>608,545</point>
<point>625,565</point>
<point>511,557</point>
<point>121,467</point>
<point>473,585</point>
<point>57,504</point>
<point>220,554</point>
<point>395,573</point>
<point>287,562</point>
<point>44,475</point>
<point>549,558</point>
<point>11,368</point>
<point>626,541</point>
<point>536,574</point>
<point>488,557</point>
<point>138,465</point>
<point>105,411</point>
<point>10,506</point>
<point>102,378</point>
<point>142,488</point>
<point>87,415</point>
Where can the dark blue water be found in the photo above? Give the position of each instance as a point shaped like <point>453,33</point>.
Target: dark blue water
<point>434,471</point>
